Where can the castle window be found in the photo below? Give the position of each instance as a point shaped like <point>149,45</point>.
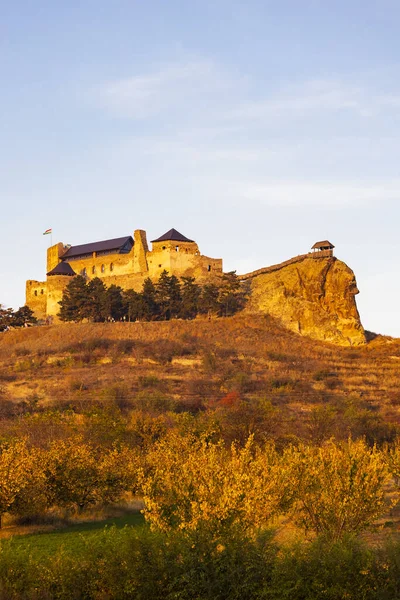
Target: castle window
<point>93,270</point>
<point>163,247</point>
<point>111,266</point>
<point>177,248</point>
<point>209,268</point>
<point>83,272</point>
<point>41,291</point>
<point>103,268</point>
<point>35,292</point>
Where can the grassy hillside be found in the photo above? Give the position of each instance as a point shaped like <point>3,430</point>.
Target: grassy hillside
<point>247,372</point>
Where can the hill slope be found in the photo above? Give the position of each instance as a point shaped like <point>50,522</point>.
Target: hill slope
<point>245,374</point>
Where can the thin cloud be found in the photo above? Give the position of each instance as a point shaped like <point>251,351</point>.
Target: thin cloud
<point>327,195</point>
<point>313,98</point>
<point>142,96</point>
<point>302,100</point>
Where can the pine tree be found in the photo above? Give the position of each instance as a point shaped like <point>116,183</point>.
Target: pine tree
<point>74,300</point>
<point>191,293</point>
<point>175,297</point>
<point>96,306</point>
<point>133,305</point>
<point>150,308</point>
<point>232,296</point>
<point>114,302</point>
<point>208,303</point>
<point>168,296</point>
<point>6,317</point>
<point>23,315</point>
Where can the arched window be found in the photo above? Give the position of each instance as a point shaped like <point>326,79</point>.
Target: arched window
<point>103,268</point>
<point>177,248</point>
<point>35,292</point>
<point>83,272</point>
<point>112,267</point>
<point>93,270</point>
<point>41,291</point>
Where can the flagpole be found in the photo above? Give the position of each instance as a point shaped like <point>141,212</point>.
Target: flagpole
<point>47,232</point>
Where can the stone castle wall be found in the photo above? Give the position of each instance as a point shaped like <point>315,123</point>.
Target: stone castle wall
<point>36,297</point>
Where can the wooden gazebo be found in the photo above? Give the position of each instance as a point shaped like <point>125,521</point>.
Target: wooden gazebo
<point>324,247</point>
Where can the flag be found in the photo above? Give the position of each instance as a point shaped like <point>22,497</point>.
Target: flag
<point>48,231</point>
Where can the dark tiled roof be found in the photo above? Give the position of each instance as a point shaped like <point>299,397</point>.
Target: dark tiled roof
<point>172,236</point>
<point>104,246</point>
<point>62,268</point>
<point>324,244</point>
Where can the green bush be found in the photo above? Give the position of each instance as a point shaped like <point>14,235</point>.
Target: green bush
<point>138,564</point>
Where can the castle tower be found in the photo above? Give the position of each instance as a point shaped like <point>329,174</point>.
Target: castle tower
<point>140,250</point>
<point>54,254</point>
<point>57,280</point>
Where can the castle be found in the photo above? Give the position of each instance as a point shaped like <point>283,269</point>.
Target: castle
<point>125,261</point>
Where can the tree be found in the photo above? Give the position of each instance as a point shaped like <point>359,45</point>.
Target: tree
<point>32,497</point>
<point>168,296</point>
<point>340,487</point>
<point>6,317</point>
<point>79,477</point>
<point>74,301</point>
<point>22,316</point>
<point>15,467</point>
<point>72,472</point>
<point>96,301</point>
<point>133,305</point>
<point>114,302</point>
<point>191,293</point>
<point>238,419</point>
<point>232,295</point>
<point>194,484</point>
<point>150,308</point>
<point>208,303</point>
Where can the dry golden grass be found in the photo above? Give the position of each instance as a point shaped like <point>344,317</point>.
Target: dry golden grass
<point>195,364</point>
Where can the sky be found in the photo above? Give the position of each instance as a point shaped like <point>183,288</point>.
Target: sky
<point>256,128</point>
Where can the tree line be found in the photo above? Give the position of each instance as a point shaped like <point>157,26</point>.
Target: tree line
<point>191,483</point>
<point>18,318</point>
<point>168,298</point>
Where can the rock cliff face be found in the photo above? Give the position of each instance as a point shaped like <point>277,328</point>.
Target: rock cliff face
<point>314,297</point>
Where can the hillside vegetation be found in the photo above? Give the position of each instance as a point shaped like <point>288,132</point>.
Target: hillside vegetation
<point>246,372</point>
<point>252,450</point>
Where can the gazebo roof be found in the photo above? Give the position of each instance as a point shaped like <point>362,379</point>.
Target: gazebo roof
<point>172,236</point>
<point>63,268</point>
<point>324,244</point>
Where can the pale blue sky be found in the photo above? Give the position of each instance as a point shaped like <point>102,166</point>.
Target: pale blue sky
<point>254,128</point>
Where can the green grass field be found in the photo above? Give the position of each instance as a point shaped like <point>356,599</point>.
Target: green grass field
<point>72,538</point>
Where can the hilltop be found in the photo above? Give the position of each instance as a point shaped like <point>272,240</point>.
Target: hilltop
<point>312,294</point>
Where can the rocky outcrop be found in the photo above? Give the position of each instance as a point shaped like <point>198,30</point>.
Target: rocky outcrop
<point>312,296</point>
